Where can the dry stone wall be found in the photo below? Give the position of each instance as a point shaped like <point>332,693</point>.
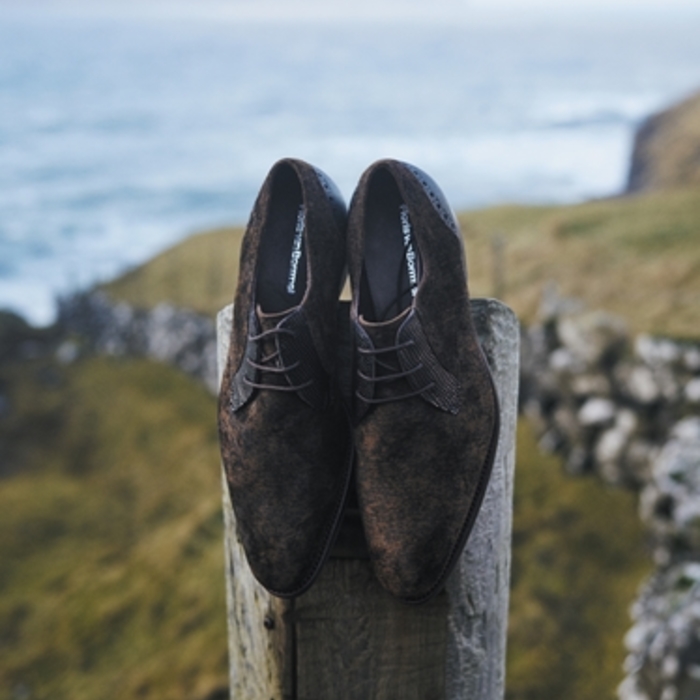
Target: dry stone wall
<point>628,409</point>
<point>92,322</point>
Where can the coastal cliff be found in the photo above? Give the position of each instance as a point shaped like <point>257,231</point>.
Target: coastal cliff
<point>666,151</point>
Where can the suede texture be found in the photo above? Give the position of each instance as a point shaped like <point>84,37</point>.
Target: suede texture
<point>423,462</point>
<point>287,454</point>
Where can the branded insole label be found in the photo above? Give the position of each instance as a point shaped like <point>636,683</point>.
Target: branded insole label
<point>410,256</point>
<point>297,251</point>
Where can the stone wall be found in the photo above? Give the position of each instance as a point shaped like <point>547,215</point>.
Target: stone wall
<point>91,322</point>
<point>628,409</point>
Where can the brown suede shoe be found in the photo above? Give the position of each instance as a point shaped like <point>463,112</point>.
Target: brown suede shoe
<point>284,433</point>
<point>425,407</point>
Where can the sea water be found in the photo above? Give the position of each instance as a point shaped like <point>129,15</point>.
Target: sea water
<point>120,137</point>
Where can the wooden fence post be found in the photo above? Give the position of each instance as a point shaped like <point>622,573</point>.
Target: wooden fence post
<point>346,638</point>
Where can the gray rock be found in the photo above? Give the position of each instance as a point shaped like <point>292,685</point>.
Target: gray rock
<point>594,336</point>
<point>611,449</point>
<point>687,430</point>
<point>596,412</point>
<point>613,442</point>
<point>182,338</point>
<point>642,385</point>
<point>67,352</point>
<point>670,502</point>
<point>656,351</point>
<point>691,358</point>
<point>565,361</point>
<point>663,645</point>
<point>692,390</point>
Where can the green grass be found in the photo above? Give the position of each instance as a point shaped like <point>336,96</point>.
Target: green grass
<point>111,574</point>
<point>638,257</point>
<point>579,556</point>
<point>635,256</point>
<point>200,273</point>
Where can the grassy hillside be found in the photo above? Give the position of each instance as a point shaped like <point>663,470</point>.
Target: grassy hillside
<point>111,574</point>
<point>635,256</point>
<point>111,571</point>
<point>200,273</point>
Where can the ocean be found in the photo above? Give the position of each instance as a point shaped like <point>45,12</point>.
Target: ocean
<point>120,137</point>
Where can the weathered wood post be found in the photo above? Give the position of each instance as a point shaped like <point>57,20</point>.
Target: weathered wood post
<point>346,638</point>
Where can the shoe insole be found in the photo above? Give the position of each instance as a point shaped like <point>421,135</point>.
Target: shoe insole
<point>392,265</point>
<point>282,269</point>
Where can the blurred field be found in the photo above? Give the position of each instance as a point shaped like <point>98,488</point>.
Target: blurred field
<point>112,582</point>
<point>111,557</point>
<point>635,256</point>
<point>111,571</point>
<point>200,273</point>
<point>578,558</point>
<point>638,257</point>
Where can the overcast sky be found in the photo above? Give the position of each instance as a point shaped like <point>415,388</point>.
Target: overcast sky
<point>435,10</point>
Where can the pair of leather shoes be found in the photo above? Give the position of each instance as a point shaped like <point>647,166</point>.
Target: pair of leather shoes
<point>422,425</point>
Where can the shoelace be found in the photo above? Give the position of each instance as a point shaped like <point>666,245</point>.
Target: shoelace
<point>271,363</point>
<point>396,373</point>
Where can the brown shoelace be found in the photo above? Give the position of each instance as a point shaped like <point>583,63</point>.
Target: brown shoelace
<point>271,363</point>
<point>395,373</point>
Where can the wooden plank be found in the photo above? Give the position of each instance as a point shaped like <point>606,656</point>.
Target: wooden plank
<point>260,628</point>
<point>354,641</point>
<point>478,589</point>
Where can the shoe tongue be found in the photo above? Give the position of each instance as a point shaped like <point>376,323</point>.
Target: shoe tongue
<point>383,334</point>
